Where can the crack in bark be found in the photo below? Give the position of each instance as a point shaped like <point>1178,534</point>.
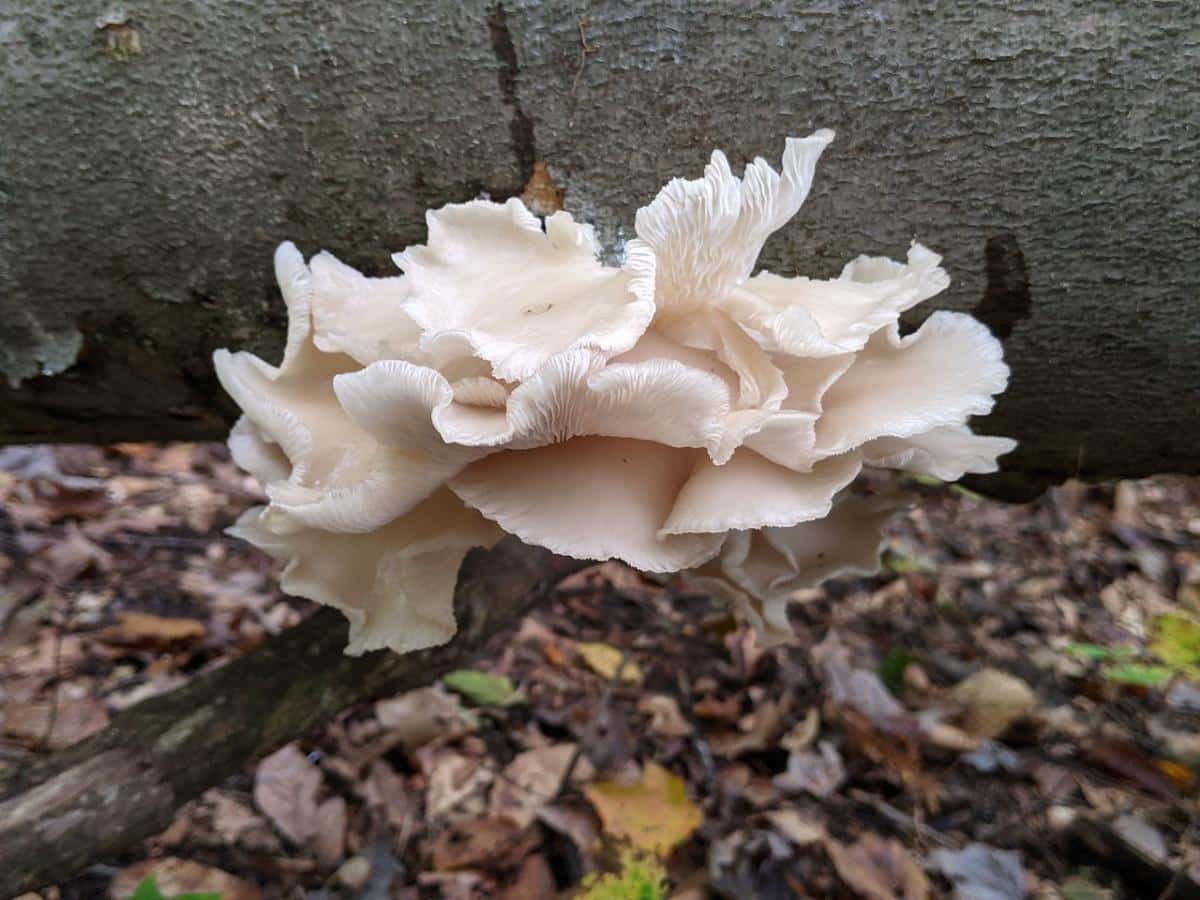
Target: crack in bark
<point>520,126</point>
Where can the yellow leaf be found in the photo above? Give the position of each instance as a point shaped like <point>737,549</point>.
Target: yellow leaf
<point>606,659</point>
<point>1179,774</point>
<point>654,815</point>
<point>1177,643</point>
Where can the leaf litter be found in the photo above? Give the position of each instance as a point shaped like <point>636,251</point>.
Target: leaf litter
<point>1012,714</point>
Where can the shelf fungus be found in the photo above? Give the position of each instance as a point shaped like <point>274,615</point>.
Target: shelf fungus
<point>680,413</point>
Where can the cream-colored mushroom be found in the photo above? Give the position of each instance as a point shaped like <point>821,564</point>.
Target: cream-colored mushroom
<point>680,413</point>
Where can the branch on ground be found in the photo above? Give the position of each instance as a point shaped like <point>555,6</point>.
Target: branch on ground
<point>125,784</point>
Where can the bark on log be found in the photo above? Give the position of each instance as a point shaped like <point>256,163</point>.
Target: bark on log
<point>1047,147</point>
<point>125,784</point>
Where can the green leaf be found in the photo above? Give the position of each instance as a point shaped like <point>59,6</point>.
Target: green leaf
<point>484,689</point>
<point>904,565</point>
<point>928,481</point>
<point>642,878</point>
<point>1079,887</point>
<point>891,671</point>
<point>1138,675</point>
<point>148,890</point>
<point>1099,653</point>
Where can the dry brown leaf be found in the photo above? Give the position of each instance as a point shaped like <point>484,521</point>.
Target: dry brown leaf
<point>73,719</point>
<point>236,824</point>
<point>182,876</point>
<point>993,700</point>
<point>803,733</point>
<point>534,881</point>
<point>420,716</point>
<point>199,505</point>
<point>454,885</point>
<point>456,785</point>
<point>878,869</point>
<point>897,754</point>
<point>532,780</point>
<point>727,709</point>
<point>139,629</point>
<point>285,788</point>
<point>329,839</point>
<point>759,729</point>
<point>387,793</point>
<point>653,814</point>
<point>493,844</point>
<point>818,773</point>
<point>1127,761</point>
<point>796,827</point>
<point>859,689</point>
<point>666,719</point>
<point>65,559</point>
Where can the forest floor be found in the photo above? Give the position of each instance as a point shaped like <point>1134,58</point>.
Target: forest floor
<point>1011,708</point>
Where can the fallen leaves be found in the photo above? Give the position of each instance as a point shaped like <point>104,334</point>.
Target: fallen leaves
<point>484,843</point>
<point>533,779</point>
<point>286,786</point>
<point>483,688</point>
<point>814,766</point>
<point>993,700</point>
<point>858,688</point>
<point>1127,761</point>
<point>286,789</point>
<point>457,783</point>
<point>980,872</point>
<point>653,814</point>
<point>420,716</point>
<point>666,719</point>
<point>1177,643</point>
<point>173,876</point>
<point>820,773</point>
<point>151,632</point>
<point>878,869</point>
<point>54,723</point>
<point>607,660</point>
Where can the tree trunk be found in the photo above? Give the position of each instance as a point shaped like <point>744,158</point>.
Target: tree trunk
<point>149,166</point>
<point>108,793</point>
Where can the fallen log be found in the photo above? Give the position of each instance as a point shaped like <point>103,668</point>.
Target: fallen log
<point>124,784</point>
<point>150,162</point>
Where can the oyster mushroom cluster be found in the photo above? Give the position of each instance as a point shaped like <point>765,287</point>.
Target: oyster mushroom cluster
<point>678,413</point>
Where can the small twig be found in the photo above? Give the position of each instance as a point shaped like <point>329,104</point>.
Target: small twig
<point>889,812</point>
<point>585,50</point>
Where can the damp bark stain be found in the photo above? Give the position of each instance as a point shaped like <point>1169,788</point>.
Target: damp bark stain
<point>1006,298</point>
<point>520,126</point>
